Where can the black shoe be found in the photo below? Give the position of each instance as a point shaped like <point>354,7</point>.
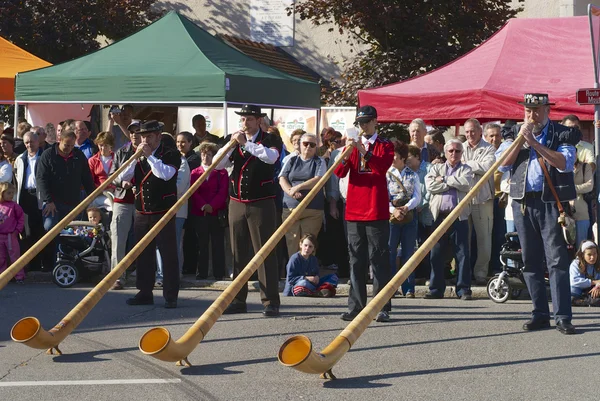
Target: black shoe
<point>383,316</point>
<point>235,308</point>
<point>140,301</point>
<point>271,311</point>
<point>348,316</point>
<point>429,295</point>
<point>466,297</point>
<point>536,324</point>
<point>565,327</point>
<point>170,304</point>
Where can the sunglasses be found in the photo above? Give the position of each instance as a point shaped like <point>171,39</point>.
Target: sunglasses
<point>311,144</point>
<point>454,151</point>
<point>337,141</point>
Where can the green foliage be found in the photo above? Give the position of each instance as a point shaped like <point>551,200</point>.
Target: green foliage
<point>61,30</point>
<point>404,38</point>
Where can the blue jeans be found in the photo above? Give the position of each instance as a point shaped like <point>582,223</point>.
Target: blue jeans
<point>458,234</point>
<point>405,236</point>
<point>62,210</point>
<point>583,227</point>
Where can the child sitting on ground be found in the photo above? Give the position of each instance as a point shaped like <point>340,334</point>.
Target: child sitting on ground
<point>12,222</point>
<point>584,273</point>
<point>303,273</point>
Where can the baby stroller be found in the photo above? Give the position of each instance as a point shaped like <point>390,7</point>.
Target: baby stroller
<point>510,282</point>
<point>83,249</point>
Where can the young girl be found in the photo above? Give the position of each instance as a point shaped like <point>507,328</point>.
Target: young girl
<point>303,273</point>
<point>12,221</point>
<point>585,276</point>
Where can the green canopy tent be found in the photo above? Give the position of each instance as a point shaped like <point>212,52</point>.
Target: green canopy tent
<point>171,61</point>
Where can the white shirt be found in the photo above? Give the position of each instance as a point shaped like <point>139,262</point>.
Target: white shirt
<point>106,162</point>
<point>159,169</point>
<point>267,155</point>
<point>30,172</point>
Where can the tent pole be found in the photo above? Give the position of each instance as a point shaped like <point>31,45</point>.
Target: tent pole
<point>456,130</point>
<point>225,130</point>
<point>318,123</point>
<point>16,120</point>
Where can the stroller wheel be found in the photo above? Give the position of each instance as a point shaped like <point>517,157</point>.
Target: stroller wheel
<point>501,294</point>
<point>65,275</point>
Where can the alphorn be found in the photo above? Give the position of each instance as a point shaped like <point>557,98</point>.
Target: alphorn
<point>28,330</point>
<point>20,263</point>
<point>297,352</point>
<point>157,342</point>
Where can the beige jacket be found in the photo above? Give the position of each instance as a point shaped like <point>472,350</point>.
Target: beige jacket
<point>481,158</point>
<point>462,180</point>
<point>584,183</point>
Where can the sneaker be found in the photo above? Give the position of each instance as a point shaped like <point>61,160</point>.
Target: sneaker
<point>409,294</point>
<point>158,283</point>
<point>117,285</point>
<point>383,316</point>
<point>466,297</point>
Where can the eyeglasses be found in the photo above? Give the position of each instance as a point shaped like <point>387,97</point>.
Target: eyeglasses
<point>454,151</point>
<point>311,144</point>
<point>337,141</point>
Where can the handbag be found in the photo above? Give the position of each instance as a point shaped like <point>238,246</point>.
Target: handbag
<point>409,216</point>
<point>567,222</point>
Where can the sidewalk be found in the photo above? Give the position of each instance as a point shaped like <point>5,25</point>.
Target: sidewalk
<point>189,281</point>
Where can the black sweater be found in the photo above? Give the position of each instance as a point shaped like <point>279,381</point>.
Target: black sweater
<point>60,179</point>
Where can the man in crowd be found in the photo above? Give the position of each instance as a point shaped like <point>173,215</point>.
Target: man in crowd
<point>22,128</point>
<point>252,206</point>
<point>1,127</point>
<point>585,150</point>
<point>83,142</point>
<point>493,135</point>
<point>154,177</point>
<point>41,133</point>
<point>448,183</point>
<point>417,131</point>
<point>367,212</point>
<point>201,134</point>
<point>535,211</point>
<point>123,119</point>
<point>30,200</point>
<point>62,171</point>
<point>479,155</point>
<point>121,225</point>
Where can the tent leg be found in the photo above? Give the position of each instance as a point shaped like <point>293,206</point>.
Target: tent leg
<point>16,120</point>
<point>226,129</point>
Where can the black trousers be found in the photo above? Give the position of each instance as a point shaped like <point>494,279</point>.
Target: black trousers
<point>146,262</point>
<point>45,258</point>
<point>190,246</point>
<point>251,225</point>
<point>208,229</point>
<point>368,244</point>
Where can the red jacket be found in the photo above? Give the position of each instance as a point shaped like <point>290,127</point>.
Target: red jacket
<point>368,197</point>
<point>97,169</point>
<point>213,191</point>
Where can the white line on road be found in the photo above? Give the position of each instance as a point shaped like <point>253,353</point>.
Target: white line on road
<point>88,382</point>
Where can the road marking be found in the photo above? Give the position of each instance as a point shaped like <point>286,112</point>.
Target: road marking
<point>88,382</point>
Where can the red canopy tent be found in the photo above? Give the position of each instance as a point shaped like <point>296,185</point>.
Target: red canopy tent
<point>542,55</point>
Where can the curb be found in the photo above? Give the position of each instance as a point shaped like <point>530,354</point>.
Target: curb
<point>478,292</point>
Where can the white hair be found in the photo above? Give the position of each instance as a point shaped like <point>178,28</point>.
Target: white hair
<point>308,136</point>
<point>451,141</point>
<point>420,123</point>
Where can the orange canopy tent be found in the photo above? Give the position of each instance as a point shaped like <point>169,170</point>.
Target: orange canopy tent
<point>14,60</point>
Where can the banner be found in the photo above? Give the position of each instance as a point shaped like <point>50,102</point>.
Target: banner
<point>288,120</point>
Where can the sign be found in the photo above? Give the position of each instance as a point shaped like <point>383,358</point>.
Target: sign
<point>588,96</point>
<point>270,22</point>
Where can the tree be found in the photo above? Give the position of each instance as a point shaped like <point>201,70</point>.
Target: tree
<point>404,38</point>
<point>61,30</point>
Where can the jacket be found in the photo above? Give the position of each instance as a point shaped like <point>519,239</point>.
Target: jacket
<point>12,218</point>
<point>21,165</point>
<point>97,168</point>
<point>59,179</point>
<point>183,184</point>
<point>462,181</point>
<point>122,155</point>
<point>481,158</point>
<point>212,191</point>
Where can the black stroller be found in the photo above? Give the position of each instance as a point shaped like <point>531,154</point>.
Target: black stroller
<point>510,282</point>
<point>83,250</point>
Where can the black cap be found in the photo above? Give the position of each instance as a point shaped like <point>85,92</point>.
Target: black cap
<point>251,110</point>
<point>366,114</point>
<point>536,100</point>
<point>150,126</point>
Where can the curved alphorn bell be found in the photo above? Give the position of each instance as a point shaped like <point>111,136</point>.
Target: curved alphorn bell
<point>157,342</point>
<point>28,330</point>
<point>25,258</point>
<point>297,351</point>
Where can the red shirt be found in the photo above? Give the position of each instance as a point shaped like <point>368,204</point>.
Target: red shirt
<point>368,198</point>
<point>97,169</point>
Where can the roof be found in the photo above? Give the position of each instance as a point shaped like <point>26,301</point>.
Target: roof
<point>14,60</point>
<point>537,55</point>
<point>171,60</point>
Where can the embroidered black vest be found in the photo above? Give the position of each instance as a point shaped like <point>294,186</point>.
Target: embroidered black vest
<point>152,194</point>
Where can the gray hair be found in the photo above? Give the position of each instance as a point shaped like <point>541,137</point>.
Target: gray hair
<point>448,144</point>
<point>32,135</point>
<point>308,136</point>
<point>420,123</point>
<point>38,130</point>
<point>493,126</point>
<point>475,122</point>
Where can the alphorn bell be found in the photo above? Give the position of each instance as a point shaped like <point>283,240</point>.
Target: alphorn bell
<point>157,342</point>
<point>20,263</point>
<point>297,351</point>
<point>29,331</point>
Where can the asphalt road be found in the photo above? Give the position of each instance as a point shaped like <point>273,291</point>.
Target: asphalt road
<point>431,350</point>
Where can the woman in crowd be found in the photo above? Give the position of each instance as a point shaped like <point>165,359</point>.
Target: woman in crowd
<point>208,210</point>
<point>302,278</point>
<point>7,143</point>
<point>405,196</point>
<point>298,176</point>
<point>584,273</point>
<point>100,166</point>
<point>6,168</point>
<point>184,145</point>
<point>584,183</point>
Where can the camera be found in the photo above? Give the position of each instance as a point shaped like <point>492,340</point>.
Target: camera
<point>115,110</point>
